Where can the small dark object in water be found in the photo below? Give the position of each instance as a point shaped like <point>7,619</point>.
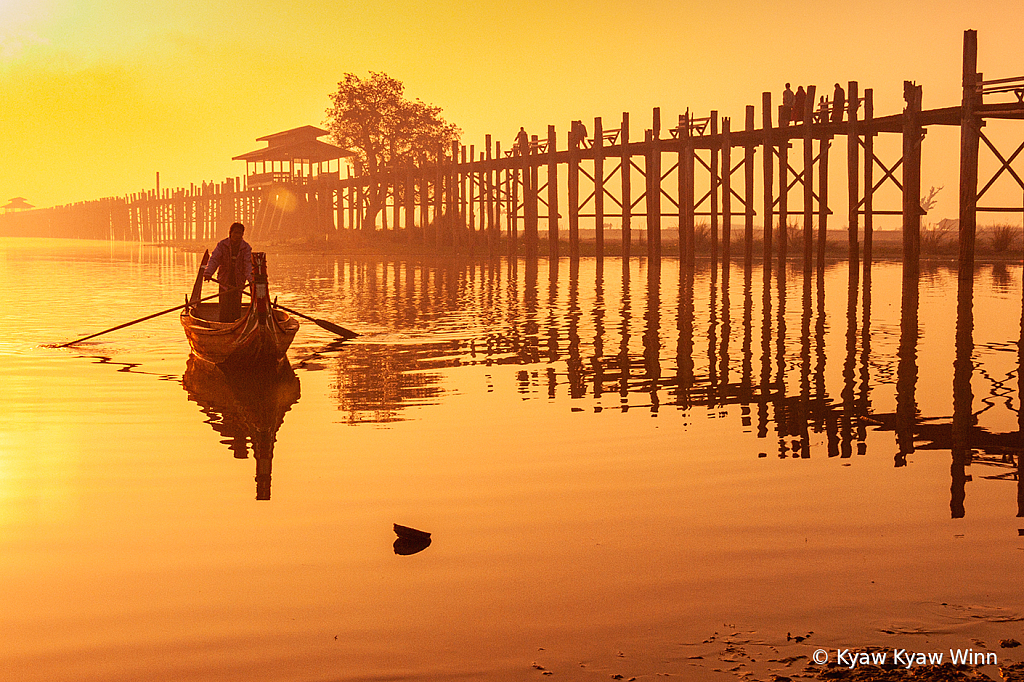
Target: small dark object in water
<point>410,540</point>
<point>411,533</point>
<point>407,546</point>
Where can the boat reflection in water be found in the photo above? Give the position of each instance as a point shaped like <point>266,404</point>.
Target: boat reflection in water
<point>246,407</point>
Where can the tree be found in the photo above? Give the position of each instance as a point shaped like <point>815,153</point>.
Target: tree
<point>372,118</point>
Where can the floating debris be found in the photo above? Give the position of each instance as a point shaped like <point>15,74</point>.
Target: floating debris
<point>410,540</point>
<point>411,533</point>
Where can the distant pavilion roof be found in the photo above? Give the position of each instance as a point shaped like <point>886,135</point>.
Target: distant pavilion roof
<point>17,203</point>
<point>297,143</point>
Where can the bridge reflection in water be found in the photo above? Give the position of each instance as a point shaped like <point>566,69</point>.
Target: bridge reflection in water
<point>743,344</point>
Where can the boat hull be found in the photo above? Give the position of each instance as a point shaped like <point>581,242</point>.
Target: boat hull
<point>257,339</point>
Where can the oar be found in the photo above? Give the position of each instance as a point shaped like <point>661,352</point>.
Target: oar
<point>128,324</point>
<point>323,324</point>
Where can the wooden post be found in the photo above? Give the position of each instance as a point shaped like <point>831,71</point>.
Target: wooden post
<point>179,216</point>
<point>575,140</point>
<point>598,189</point>
<point>715,188</point>
<point>823,146</point>
<point>869,181</point>
<point>472,188</point>
<point>552,194</point>
<point>912,137</point>
<point>783,193</point>
<point>852,155</point>
<point>653,173</point>
<point>767,165</point>
<point>686,172</point>
<point>969,139</point>
<point>424,202</point>
<point>625,172</point>
<point>481,203</point>
<point>516,175</point>
<point>439,216</point>
<point>748,191</point>
<point>726,192</point>
<point>496,184</point>
<point>530,230</point>
<point>488,206</point>
<point>809,178</point>
<point>453,206</point>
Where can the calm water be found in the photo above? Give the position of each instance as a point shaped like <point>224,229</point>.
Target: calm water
<point>625,471</point>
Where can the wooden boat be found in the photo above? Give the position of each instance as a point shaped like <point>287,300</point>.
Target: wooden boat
<point>259,338</point>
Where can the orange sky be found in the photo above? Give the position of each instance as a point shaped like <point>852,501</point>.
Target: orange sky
<point>100,95</point>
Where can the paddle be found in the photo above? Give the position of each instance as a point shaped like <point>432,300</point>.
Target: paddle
<point>128,324</point>
<point>323,324</point>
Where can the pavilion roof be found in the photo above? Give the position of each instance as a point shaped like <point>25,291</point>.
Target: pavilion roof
<point>297,143</point>
<point>18,202</point>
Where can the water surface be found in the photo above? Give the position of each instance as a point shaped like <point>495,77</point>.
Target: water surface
<point>624,468</point>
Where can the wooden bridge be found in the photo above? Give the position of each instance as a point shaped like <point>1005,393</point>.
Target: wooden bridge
<point>493,201</point>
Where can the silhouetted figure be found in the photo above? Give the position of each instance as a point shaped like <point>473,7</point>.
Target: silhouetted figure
<point>579,134</point>
<point>799,101</point>
<point>787,106</point>
<point>838,103</point>
<point>233,259</point>
<point>522,142</point>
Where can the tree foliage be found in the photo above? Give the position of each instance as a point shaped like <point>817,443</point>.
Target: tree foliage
<point>372,117</point>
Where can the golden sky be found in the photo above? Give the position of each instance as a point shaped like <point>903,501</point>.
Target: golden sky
<point>100,95</point>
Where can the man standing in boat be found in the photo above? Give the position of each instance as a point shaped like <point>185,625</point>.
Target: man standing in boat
<point>233,257</point>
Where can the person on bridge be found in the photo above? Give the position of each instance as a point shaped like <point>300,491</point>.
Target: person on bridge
<point>787,107</point>
<point>579,135</point>
<point>838,103</point>
<point>233,258</point>
<point>799,101</point>
<point>522,142</point>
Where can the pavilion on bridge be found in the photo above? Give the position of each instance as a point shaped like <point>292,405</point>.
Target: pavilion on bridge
<point>293,157</point>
